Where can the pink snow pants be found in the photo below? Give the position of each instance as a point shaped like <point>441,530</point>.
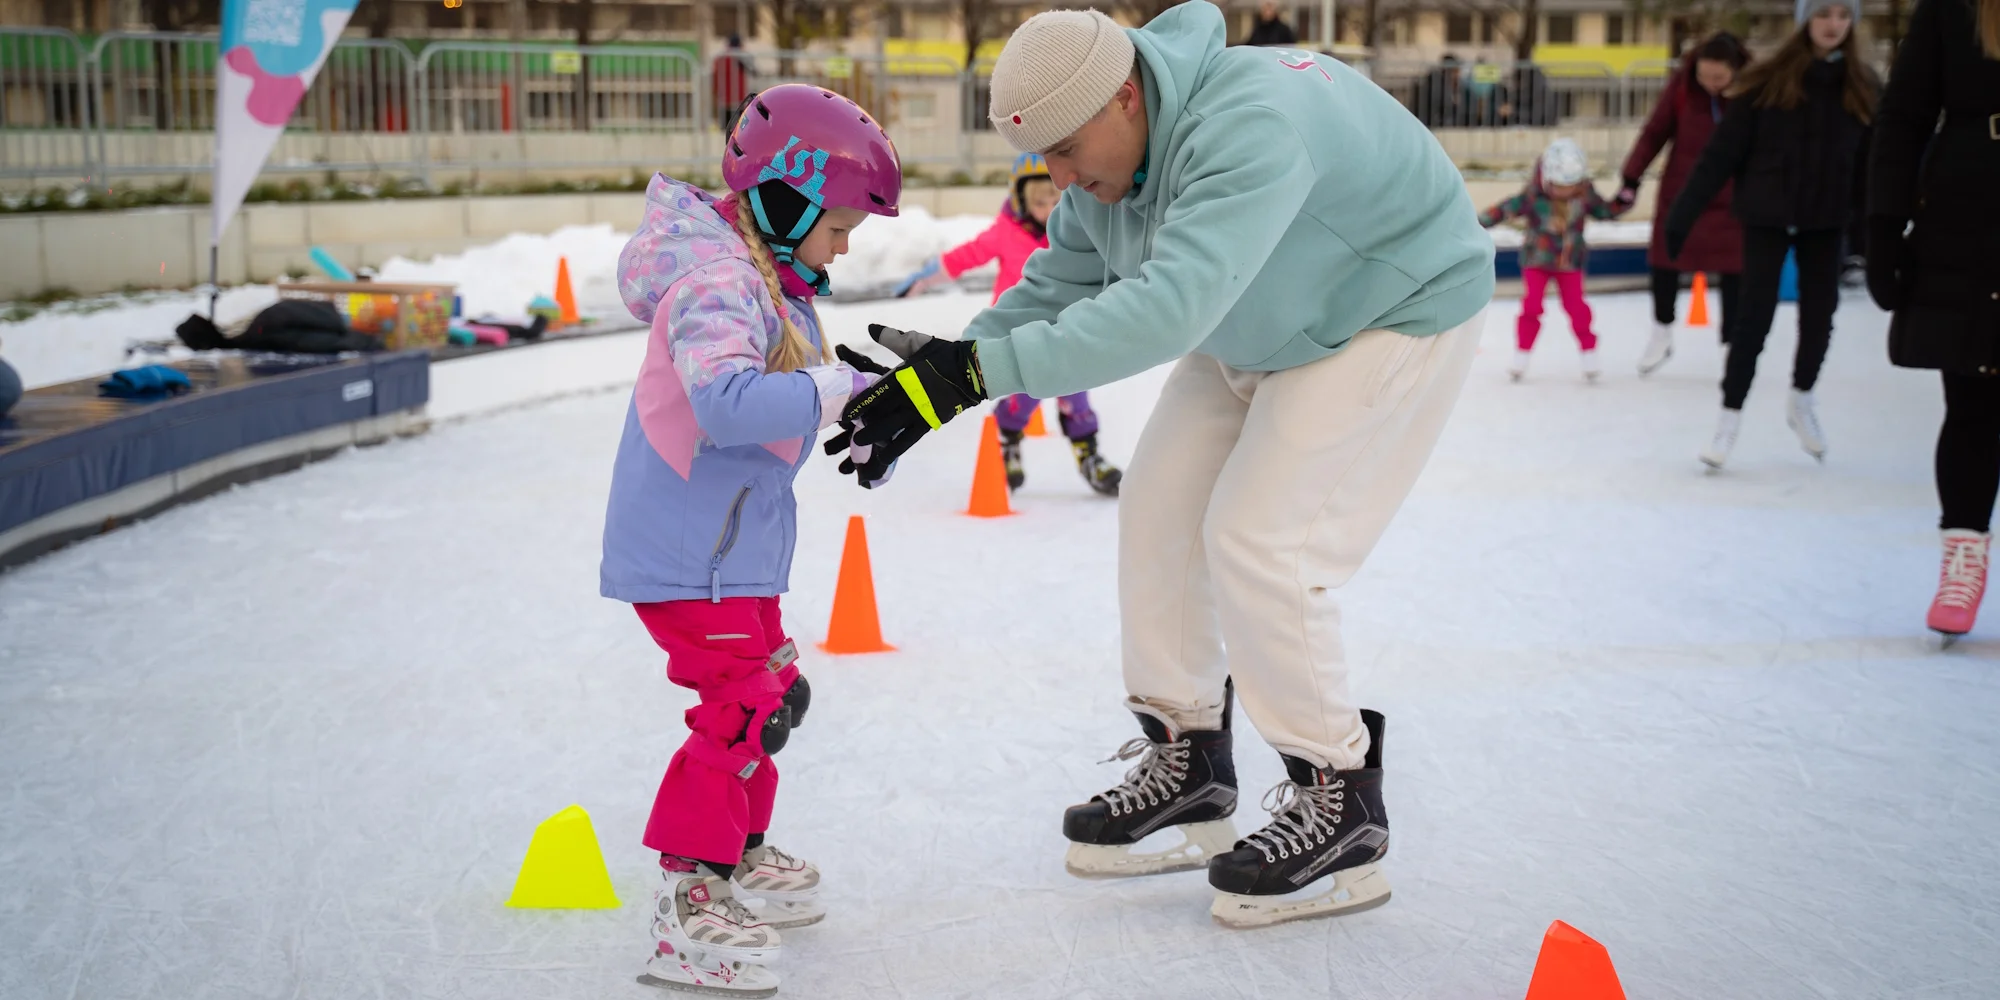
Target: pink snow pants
<point>1534,284</point>
<point>720,784</point>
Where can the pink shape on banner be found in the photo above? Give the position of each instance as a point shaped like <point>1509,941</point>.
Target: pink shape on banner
<point>272,98</point>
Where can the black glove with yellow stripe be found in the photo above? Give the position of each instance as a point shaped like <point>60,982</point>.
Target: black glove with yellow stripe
<point>938,380</point>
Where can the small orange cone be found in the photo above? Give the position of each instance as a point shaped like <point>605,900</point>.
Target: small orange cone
<point>1573,967</point>
<point>565,296</point>
<point>1698,308</point>
<point>989,477</point>
<point>855,627</point>
<point>1035,429</point>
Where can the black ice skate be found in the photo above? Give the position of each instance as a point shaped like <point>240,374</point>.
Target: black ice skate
<point>1185,780</point>
<point>1010,456</point>
<point>1324,824</point>
<point>1100,474</point>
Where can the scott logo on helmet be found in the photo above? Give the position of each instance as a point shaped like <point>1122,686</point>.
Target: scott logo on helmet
<point>804,170</point>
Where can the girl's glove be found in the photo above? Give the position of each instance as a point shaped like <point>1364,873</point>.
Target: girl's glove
<point>925,278</point>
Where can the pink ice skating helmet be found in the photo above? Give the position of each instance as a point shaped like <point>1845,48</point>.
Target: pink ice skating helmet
<point>822,146</point>
<point>818,142</point>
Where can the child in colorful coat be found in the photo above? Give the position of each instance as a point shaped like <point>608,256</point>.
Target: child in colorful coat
<point>699,531</point>
<point>1019,231</point>
<point>1557,202</point>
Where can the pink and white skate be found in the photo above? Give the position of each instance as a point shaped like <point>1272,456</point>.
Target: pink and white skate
<point>1961,583</point>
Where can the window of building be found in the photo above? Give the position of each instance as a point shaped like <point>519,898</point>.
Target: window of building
<point>438,17</point>
<point>1561,29</point>
<point>545,17</point>
<point>728,20</point>
<point>489,16</point>
<point>1614,29</point>
<point>1458,28</point>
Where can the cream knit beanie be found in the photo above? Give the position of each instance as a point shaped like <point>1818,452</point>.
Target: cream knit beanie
<point>1058,71</point>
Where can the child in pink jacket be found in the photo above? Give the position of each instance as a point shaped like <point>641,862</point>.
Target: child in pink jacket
<point>1014,236</point>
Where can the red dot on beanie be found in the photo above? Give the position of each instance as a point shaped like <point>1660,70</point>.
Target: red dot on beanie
<point>1017,119</point>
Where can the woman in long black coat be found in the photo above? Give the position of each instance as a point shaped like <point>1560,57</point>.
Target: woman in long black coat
<point>1936,172</point>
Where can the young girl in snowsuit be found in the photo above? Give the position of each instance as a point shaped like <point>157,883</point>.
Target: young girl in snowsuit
<point>1558,200</point>
<point>1019,231</point>
<point>699,531</point>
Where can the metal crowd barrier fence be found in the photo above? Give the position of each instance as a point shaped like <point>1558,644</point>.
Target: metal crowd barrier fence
<point>144,103</point>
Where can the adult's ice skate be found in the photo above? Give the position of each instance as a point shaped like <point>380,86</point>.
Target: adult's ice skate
<point>1317,858</point>
<point>1184,781</point>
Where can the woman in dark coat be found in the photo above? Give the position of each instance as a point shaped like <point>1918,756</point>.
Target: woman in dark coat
<point>1795,139</point>
<point>1690,108</point>
<point>1942,182</point>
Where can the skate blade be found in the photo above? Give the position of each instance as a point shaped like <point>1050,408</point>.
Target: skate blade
<point>1201,842</point>
<point>684,976</point>
<point>1354,890</point>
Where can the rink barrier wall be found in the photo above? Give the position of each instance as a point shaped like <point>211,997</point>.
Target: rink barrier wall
<point>91,253</point>
<point>105,471</point>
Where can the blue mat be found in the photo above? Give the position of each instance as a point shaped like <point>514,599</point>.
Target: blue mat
<point>65,444</point>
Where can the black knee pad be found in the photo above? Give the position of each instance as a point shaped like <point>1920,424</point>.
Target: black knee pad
<point>775,730</point>
<point>797,698</point>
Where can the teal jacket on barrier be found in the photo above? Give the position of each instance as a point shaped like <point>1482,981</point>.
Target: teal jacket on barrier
<point>1291,203</point>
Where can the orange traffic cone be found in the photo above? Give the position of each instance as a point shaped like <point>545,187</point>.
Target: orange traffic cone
<point>989,477</point>
<point>1573,967</point>
<point>855,627</point>
<point>1698,308</point>
<point>1035,429</point>
<point>565,296</point>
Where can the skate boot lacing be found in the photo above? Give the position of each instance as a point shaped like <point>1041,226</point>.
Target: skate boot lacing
<point>1161,770</point>
<point>1964,570</point>
<point>1302,816</point>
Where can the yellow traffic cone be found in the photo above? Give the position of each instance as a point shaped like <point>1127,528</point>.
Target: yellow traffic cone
<point>564,869</point>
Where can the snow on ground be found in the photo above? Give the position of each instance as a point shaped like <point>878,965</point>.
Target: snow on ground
<point>90,337</point>
<point>293,739</point>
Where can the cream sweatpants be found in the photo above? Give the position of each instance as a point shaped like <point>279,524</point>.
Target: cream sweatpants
<point>1251,497</point>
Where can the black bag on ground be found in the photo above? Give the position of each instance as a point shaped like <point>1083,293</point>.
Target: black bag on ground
<point>289,326</point>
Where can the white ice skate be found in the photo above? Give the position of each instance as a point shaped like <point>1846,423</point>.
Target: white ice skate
<point>1804,422</point>
<point>1519,366</point>
<point>698,914</point>
<point>1659,347</point>
<point>787,887</point>
<point>1725,439</point>
<point>1592,367</point>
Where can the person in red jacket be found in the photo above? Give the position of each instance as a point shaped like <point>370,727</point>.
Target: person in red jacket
<point>1690,108</point>
<point>729,83</point>
<point>1016,234</point>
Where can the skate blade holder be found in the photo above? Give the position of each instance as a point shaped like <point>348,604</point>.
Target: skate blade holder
<point>707,976</point>
<point>1362,887</point>
<point>1198,843</point>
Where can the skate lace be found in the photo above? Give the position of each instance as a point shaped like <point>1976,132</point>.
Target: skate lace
<point>779,859</point>
<point>734,909</point>
<point>1301,816</point>
<point>1161,769</point>
<point>1963,575</point>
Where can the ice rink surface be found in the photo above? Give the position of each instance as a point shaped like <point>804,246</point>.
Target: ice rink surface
<point>292,740</point>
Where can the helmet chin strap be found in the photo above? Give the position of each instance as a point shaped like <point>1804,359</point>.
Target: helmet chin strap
<point>785,248</point>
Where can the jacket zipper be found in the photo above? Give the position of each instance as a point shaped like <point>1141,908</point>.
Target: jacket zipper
<point>725,542</point>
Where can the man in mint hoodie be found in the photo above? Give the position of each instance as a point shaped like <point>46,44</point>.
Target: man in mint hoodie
<point>1307,251</point>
